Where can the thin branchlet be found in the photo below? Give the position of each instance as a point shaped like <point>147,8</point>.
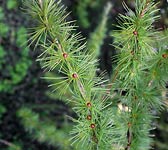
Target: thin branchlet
<point>65,52</point>
<point>134,40</point>
<point>100,126</point>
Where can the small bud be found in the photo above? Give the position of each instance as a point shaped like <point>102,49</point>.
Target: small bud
<point>165,55</point>
<point>88,104</point>
<point>135,32</point>
<point>65,55</point>
<point>74,75</point>
<point>92,126</point>
<point>129,124</point>
<point>142,14</point>
<point>134,115</point>
<point>132,52</point>
<point>94,138</point>
<point>89,117</point>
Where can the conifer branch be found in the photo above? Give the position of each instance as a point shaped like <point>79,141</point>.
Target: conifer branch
<point>134,40</point>
<point>100,33</point>
<point>43,132</point>
<point>9,144</point>
<point>40,2</point>
<point>139,73</point>
<point>65,52</point>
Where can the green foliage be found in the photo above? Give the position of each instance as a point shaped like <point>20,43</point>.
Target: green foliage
<point>101,124</point>
<point>19,70</point>
<point>93,48</point>
<point>21,37</point>
<point>96,38</point>
<point>163,132</point>
<point>77,68</point>
<point>14,147</point>
<point>11,4</point>
<point>1,14</point>
<point>2,110</point>
<point>137,61</point>
<point>42,131</point>
<point>161,40</point>
<point>56,95</point>
<point>2,52</point>
<point>4,29</point>
<point>82,11</point>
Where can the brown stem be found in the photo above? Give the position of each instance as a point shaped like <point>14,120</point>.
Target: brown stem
<point>79,83</point>
<point>113,79</point>
<point>41,4</point>
<point>129,139</point>
<point>150,83</point>
<point>145,9</point>
<point>81,89</point>
<point>8,143</point>
<point>59,46</point>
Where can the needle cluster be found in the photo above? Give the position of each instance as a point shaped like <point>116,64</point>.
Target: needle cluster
<point>141,74</point>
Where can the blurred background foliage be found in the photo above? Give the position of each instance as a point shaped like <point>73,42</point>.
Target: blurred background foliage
<point>32,117</point>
